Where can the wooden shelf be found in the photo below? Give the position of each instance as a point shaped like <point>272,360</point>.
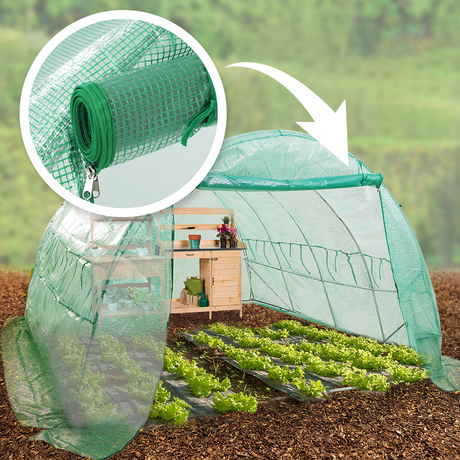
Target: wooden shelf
<point>178,307</point>
<point>108,259</point>
<point>104,311</point>
<point>191,211</point>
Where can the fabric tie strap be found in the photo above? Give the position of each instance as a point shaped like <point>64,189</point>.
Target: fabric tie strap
<point>207,116</point>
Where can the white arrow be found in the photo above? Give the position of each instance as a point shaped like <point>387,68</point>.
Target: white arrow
<point>329,127</point>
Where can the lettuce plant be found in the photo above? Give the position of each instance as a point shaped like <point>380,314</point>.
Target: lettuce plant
<point>201,382</point>
<point>175,410</point>
<point>285,374</point>
<point>235,402</point>
<point>358,378</point>
<point>313,388</point>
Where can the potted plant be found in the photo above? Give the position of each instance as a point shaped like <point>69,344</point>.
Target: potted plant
<point>232,236</point>
<point>133,294</point>
<point>129,297</point>
<point>149,301</point>
<point>113,298</point>
<point>146,300</point>
<point>142,299</point>
<point>141,241</point>
<point>222,232</point>
<point>225,232</point>
<point>96,251</point>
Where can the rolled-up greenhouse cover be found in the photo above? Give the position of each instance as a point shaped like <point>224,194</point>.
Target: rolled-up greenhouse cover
<point>325,242</point>
<point>112,92</point>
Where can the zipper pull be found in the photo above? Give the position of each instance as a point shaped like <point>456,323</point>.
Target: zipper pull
<point>91,184</point>
<point>96,187</point>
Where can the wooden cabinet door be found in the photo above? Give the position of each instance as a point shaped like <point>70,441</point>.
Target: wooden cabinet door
<point>226,280</point>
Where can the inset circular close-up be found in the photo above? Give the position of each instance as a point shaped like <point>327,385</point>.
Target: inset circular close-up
<point>123,113</point>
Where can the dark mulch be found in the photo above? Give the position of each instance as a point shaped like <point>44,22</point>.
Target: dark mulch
<point>413,422</point>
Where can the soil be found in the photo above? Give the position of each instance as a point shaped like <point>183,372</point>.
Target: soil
<point>412,422</point>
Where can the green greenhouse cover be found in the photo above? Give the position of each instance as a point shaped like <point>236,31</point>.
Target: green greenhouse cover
<point>325,242</point>
<point>223,182</point>
<point>112,92</point>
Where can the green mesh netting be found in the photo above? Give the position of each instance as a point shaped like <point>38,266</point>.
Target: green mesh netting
<point>325,242</point>
<point>73,364</point>
<point>112,92</point>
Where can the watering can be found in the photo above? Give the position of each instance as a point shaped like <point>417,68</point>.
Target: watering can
<point>203,301</point>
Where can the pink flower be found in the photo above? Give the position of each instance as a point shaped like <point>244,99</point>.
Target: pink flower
<point>226,232</point>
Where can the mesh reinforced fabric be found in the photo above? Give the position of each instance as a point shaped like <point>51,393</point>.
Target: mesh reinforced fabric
<point>153,84</point>
<point>72,364</point>
<point>124,116</point>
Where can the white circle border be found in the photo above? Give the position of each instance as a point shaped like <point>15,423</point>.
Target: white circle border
<point>106,210</point>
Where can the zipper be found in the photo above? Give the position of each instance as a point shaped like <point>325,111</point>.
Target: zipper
<point>91,185</point>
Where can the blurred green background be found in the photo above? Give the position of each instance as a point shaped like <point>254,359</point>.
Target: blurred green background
<point>396,62</point>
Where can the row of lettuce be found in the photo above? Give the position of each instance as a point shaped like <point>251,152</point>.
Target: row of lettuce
<point>358,361</point>
<point>324,352</point>
<point>88,388</point>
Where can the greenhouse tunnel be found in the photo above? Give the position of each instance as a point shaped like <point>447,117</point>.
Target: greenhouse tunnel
<point>326,242</point>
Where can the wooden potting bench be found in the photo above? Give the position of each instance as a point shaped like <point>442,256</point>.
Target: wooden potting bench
<point>128,267</point>
<point>220,269</point>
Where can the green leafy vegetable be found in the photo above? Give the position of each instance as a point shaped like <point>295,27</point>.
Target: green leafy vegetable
<point>162,395</point>
<point>313,388</point>
<point>175,410</point>
<point>235,402</point>
<point>358,378</point>
<point>285,374</point>
<point>406,374</point>
<point>201,382</point>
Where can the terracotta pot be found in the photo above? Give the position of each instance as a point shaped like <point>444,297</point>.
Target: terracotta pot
<point>194,241</point>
